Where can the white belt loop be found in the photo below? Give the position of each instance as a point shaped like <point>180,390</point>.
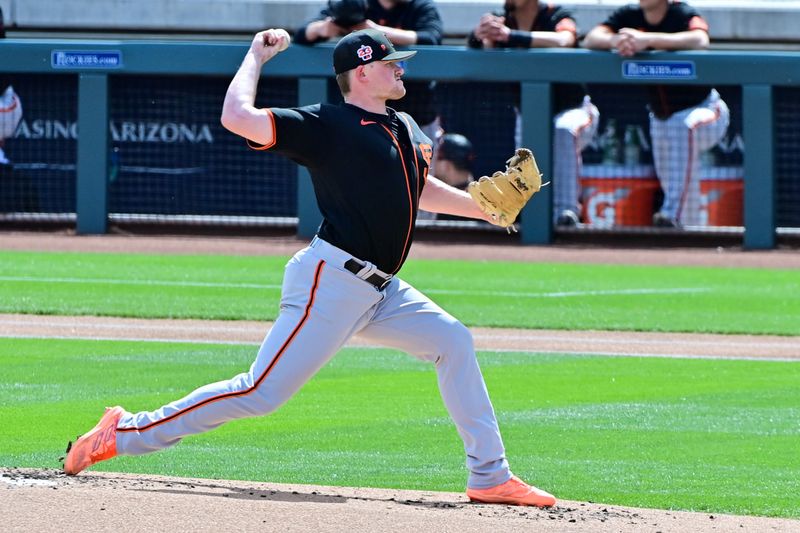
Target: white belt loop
<point>368,270</point>
<point>336,256</point>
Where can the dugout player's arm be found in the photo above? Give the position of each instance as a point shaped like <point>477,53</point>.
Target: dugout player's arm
<point>564,35</point>
<point>319,30</point>
<point>552,39</point>
<point>439,197</point>
<point>601,37</point>
<point>239,114</point>
<point>424,27</point>
<point>683,40</point>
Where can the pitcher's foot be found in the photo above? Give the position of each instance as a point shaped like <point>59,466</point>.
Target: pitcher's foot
<point>513,492</point>
<point>97,445</point>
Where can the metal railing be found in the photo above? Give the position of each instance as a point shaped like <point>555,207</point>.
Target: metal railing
<point>757,73</point>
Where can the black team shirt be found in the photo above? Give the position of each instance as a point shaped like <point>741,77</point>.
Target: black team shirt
<point>548,18</point>
<point>665,99</point>
<point>420,16</point>
<point>368,172</point>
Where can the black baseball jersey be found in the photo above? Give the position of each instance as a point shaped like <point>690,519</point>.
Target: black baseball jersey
<point>368,172</point>
<point>665,99</point>
<point>420,16</point>
<point>548,18</point>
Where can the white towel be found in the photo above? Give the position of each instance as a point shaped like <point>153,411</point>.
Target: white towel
<point>10,113</point>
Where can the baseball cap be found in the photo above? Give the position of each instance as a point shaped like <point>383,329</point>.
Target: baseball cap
<point>456,148</point>
<point>363,47</point>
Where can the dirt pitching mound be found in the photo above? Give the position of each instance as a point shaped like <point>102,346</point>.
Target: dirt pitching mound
<point>48,500</point>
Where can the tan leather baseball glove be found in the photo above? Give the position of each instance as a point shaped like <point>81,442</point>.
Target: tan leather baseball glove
<point>503,195</point>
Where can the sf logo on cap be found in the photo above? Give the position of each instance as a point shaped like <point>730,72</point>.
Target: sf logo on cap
<point>365,52</point>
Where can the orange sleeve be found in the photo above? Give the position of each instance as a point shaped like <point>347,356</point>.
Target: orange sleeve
<point>255,145</point>
<point>698,23</point>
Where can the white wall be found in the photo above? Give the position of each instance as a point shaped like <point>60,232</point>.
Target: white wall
<point>753,20</point>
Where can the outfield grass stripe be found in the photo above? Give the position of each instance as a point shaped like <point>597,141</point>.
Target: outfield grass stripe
<point>127,326</point>
<point>170,340</point>
<point>450,292</point>
<point>145,282</point>
<point>570,294</point>
<point>361,345</point>
<point>603,339</point>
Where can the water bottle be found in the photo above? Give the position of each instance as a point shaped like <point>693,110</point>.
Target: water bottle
<point>632,148</point>
<point>708,159</point>
<point>113,164</point>
<point>610,144</point>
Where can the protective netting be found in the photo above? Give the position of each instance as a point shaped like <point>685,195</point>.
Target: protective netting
<point>622,184</point>
<point>787,159</point>
<point>39,177</point>
<point>486,114</point>
<point>170,155</point>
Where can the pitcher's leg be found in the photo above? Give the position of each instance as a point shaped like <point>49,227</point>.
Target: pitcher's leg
<point>308,332</point>
<point>210,406</point>
<point>408,320</point>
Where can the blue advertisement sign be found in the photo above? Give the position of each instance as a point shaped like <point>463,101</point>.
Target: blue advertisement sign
<point>106,59</point>
<point>659,70</point>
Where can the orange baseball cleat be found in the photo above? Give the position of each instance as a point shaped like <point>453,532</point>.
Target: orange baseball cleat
<point>97,445</point>
<point>512,492</point>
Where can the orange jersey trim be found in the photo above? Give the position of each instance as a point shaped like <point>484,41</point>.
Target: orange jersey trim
<point>687,178</point>
<point>256,146</point>
<point>410,202</point>
<point>261,378</point>
<point>698,23</point>
<point>690,160</point>
<point>414,149</point>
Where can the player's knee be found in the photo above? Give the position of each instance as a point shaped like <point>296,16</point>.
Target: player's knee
<point>265,399</point>
<point>262,403</point>
<point>456,340</point>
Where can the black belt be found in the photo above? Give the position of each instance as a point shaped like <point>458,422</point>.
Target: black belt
<point>376,280</point>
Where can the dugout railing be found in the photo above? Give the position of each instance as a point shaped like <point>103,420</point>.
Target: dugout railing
<point>767,83</point>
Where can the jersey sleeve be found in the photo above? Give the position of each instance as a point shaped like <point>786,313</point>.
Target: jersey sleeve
<point>694,21</point>
<point>423,148</point>
<point>300,33</point>
<point>623,17</point>
<point>298,134</point>
<point>428,24</point>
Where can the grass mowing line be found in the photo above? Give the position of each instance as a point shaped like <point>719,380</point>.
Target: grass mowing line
<point>723,300</point>
<point>562,294</point>
<point>715,436</point>
<point>549,351</point>
<point>145,282</point>
<point>170,340</point>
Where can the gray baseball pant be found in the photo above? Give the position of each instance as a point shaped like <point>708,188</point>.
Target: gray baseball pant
<point>322,306</point>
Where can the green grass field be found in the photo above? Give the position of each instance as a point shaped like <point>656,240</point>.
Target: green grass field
<point>526,295</point>
<point>720,436</point>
